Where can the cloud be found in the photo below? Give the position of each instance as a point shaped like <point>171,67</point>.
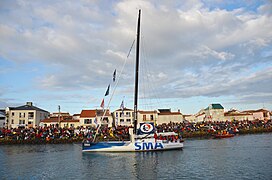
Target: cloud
<point>188,49</point>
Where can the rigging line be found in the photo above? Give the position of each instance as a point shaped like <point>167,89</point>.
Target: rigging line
<point>145,78</point>
<point>152,83</point>
<point>118,78</point>
<point>131,48</point>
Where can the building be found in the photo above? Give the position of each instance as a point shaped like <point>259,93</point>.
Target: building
<point>123,117</point>
<point>166,116</point>
<point>76,116</point>
<point>214,112</point>
<point>189,117</point>
<point>234,114</point>
<point>260,114</point>
<point>200,117</point>
<point>147,116</point>
<point>2,118</point>
<point>94,118</point>
<point>62,121</point>
<point>57,114</point>
<point>26,116</point>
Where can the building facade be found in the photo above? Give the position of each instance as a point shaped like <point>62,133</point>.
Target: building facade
<point>237,115</point>
<point>123,117</point>
<point>147,116</point>
<point>214,112</point>
<point>25,116</point>
<point>2,118</point>
<point>260,114</point>
<point>94,118</point>
<point>63,122</point>
<point>166,116</point>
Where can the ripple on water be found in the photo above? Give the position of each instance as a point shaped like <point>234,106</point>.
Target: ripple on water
<point>241,157</point>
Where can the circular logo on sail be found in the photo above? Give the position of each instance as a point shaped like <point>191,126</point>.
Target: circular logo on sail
<point>146,128</point>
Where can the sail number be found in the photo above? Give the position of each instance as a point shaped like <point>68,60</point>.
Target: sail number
<point>147,146</point>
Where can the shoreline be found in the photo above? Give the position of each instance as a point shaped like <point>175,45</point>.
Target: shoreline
<point>185,135</point>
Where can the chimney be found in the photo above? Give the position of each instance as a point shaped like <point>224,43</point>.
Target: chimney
<point>179,110</point>
<point>29,103</point>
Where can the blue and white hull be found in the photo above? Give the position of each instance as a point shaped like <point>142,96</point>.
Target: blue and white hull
<point>128,146</point>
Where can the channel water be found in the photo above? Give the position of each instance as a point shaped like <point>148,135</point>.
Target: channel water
<point>240,157</point>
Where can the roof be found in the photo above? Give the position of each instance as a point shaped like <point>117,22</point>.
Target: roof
<point>56,119</point>
<point>170,113</point>
<point>27,108</point>
<point>237,114</point>
<point>88,113</point>
<point>60,113</point>
<point>125,109</point>
<point>200,114</point>
<point>93,113</point>
<point>215,106</point>
<point>147,112</point>
<point>259,110</point>
<point>164,110</point>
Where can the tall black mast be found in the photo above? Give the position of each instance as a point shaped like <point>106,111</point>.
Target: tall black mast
<point>137,73</point>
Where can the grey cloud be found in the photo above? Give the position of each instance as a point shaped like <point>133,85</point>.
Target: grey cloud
<point>192,50</point>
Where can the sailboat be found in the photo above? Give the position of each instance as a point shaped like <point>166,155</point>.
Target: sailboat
<point>143,138</point>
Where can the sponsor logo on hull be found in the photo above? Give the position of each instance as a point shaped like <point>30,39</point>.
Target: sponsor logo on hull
<point>141,146</point>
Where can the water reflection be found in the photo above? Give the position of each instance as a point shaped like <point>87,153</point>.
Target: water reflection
<point>242,157</point>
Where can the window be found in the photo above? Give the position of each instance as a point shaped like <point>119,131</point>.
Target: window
<point>144,117</point>
<point>21,115</point>
<point>121,114</point>
<point>122,120</point>
<point>21,121</point>
<point>12,114</point>
<point>116,114</point>
<point>72,125</point>
<point>30,122</point>
<point>128,114</point>
<point>151,117</point>
<point>87,121</point>
<point>31,115</point>
<point>129,120</point>
<point>12,121</point>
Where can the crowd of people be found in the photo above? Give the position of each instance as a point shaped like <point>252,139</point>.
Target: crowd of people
<point>51,133</point>
<point>212,126</point>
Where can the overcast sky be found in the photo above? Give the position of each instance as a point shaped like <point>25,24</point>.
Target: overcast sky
<point>193,53</point>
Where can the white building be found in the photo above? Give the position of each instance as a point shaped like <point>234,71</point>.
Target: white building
<point>214,112</point>
<point>26,116</point>
<point>123,117</point>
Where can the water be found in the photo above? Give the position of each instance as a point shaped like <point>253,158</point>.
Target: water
<point>241,157</point>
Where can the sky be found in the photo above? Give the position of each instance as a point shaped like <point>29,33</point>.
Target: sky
<point>192,53</point>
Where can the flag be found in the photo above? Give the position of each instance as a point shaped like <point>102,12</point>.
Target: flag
<point>146,128</point>
<point>102,104</point>
<point>114,75</point>
<point>122,107</point>
<point>108,91</point>
<point>95,121</point>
